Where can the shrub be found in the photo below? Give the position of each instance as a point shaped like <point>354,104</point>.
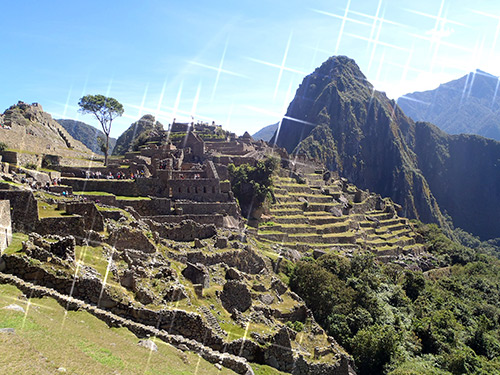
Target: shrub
<point>30,166</point>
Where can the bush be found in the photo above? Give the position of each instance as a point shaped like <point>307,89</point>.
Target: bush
<point>252,185</point>
<point>30,166</point>
<point>296,326</point>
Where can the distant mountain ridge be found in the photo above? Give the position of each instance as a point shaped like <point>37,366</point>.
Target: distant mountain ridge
<point>470,104</point>
<point>266,133</point>
<point>367,138</point>
<point>87,134</point>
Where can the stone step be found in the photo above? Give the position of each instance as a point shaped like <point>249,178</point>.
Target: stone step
<point>274,236</point>
<point>323,220</point>
<point>297,219</point>
<point>313,198</point>
<point>295,229</point>
<point>285,212</point>
<point>212,321</point>
<point>289,205</point>
<point>323,207</point>
<point>393,221</point>
<point>325,239</point>
<point>334,228</point>
<point>379,215</point>
<point>280,191</point>
<point>296,188</point>
<point>391,228</point>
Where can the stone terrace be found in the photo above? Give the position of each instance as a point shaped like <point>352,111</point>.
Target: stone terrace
<point>314,216</point>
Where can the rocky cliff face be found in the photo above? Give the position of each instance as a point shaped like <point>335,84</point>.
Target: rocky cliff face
<point>338,117</point>
<point>468,105</point>
<point>136,134</point>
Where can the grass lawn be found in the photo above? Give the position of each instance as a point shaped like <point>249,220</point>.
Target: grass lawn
<point>47,338</point>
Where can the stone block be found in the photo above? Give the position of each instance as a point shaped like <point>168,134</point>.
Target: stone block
<point>5,225</point>
<point>221,242</point>
<point>197,274</point>
<point>236,296</point>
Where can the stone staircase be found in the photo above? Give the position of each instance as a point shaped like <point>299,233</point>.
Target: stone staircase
<point>212,321</point>
<point>311,216</point>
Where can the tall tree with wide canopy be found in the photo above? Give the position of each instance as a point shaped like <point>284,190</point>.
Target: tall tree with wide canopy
<point>105,110</point>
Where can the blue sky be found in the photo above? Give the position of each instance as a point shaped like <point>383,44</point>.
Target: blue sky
<point>235,62</point>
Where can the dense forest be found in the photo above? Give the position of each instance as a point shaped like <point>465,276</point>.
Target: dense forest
<point>399,321</point>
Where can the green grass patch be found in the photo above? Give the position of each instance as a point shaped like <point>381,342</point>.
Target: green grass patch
<point>49,210</point>
<point>98,193</point>
<point>125,198</point>
<point>102,355</point>
<point>82,344</point>
<point>16,244</point>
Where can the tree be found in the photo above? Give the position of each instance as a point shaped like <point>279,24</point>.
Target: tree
<point>252,185</point>
<point>105,110</point>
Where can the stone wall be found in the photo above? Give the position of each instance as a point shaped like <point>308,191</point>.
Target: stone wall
<point>186,230</point>
<point>62,226</point>
<point>21,158</point>
<point>247,261</point>
<point>117,187</point>
<point>24,209</point>
<point>92,217</point>
<point>5,225</point>
<point>235,363</point>
<point>89,288</point>
<point>208,208</point>
<point>147,207</point>
<point>216,219</point>
<point>203,190</point>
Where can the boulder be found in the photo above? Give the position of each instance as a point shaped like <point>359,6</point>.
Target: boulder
<point>131,238</point>
<point>266,299</point>
<point>280,355</point>
<point>197,274</point>
<point>148,344</point>
<point>233,274</point>
<point>236,296</point>
<point>221,242</point>
<point>278,286</point>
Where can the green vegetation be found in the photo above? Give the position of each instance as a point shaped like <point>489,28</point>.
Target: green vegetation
<point>49,210</point>
<point>48,337</point>
<point>32,166</point>
<point>16,244</point>
<point>137,135</point>
<point>105,111</point>
<point>3,146</point>
<point>397,321</point>
<point>252,185</point>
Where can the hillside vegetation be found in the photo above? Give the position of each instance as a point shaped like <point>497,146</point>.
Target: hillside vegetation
<point>397,321</point>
